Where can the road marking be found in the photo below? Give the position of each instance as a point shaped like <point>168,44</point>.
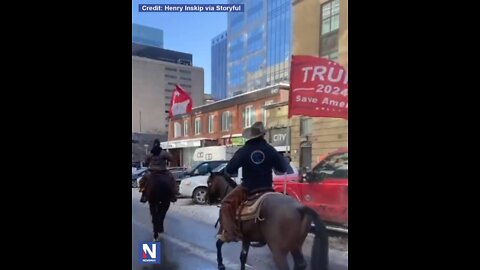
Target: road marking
<point>200,252</point>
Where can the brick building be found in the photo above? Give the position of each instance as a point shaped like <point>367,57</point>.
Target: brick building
<point>213,124</point>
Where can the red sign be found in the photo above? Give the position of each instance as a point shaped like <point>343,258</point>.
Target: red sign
<point>318,88</point>
<point>180,103</point>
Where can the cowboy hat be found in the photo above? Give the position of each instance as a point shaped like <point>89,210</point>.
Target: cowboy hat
<point>255,131</point>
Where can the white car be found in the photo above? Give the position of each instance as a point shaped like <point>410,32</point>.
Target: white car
<point>196,186</point>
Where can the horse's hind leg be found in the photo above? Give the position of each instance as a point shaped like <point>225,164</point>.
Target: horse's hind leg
<point>244,254</point>
<point>299,260</point>
<point>280,259</point>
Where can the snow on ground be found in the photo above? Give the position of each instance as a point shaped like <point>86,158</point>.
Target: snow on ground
<point>210,213</point>
<point>206,213</point>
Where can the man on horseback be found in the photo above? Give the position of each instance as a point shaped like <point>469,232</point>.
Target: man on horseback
<point>157,163</point>
<point>158,187</point>
<point>257,159</point>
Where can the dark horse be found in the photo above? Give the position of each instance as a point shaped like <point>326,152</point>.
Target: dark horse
<point>284,226</point>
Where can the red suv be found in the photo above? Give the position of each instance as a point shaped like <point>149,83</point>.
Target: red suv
<point>324,188</point>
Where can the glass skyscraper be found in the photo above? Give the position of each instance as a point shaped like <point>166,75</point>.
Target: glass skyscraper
<point>219,66</point>
<point>146,35</point>
<point>259,44</point>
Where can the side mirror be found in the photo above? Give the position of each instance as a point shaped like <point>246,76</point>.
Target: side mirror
<point>303,177</point>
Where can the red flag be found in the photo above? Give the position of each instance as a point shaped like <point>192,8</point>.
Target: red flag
<point>318,88</point>
<point>180,103</point>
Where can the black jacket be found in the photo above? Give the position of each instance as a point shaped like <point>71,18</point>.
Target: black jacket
<point>257,159</point>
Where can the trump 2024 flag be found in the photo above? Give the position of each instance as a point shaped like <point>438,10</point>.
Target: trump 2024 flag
<point>180,103</point>
<point>318,88</point>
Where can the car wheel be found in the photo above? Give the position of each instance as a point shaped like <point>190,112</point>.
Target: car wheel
<point>199,195</point>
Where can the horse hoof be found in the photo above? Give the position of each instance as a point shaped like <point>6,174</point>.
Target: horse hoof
<point>221,267</point>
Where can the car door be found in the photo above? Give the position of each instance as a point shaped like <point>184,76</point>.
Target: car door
<point>327,189</point>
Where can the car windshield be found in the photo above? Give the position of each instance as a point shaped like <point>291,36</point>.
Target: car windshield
<point>219,168</point>
<point>194,165</point>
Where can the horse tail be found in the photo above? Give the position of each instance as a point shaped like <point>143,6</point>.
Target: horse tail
<point>319,256</point>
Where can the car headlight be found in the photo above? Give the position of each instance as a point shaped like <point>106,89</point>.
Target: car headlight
<point>187,183</point>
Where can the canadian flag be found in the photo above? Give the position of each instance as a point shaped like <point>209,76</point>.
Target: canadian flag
<point>180,103</point>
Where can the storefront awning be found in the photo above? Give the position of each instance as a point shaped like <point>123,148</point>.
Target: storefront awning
<point>197,142</point>
<point>282,148</point>
<point>233,135</point>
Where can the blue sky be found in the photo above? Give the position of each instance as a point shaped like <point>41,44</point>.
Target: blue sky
<point>190,32</point>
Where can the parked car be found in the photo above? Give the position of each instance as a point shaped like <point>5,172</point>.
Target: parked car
<point>196,187</point>
<point>200,168</point>
<point>324,188</point>
<point>137,174</point>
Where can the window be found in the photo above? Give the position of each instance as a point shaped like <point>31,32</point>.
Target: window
<point>177,131</point>
<point>226,121</point>
<point>202,169</point>
<point>210,123</point>
<point>334,167</point>
<point>236,49</point>
<point>186,85</point>
<point>305,126</point>
<point>330,16</point>
<point>185,79</point>
<point>170,76</point>
<point>332,56</point>
<point>256,9</point>
<point>248,116</point>
<point>255,63</point>
<point>265,112</point>
<point>237,75</point>
<point>185,71</point>
<point>186,127</point>
<point>171,69</point>
<point>255,40</point>
<point>198,126</point>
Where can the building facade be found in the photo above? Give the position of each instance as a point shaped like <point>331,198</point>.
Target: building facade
<point>320,28</point>
<point>152,85</point>
<point>259,45</point>
<point>161,54</point>
<point>221,122</point>
<point>219,66</point>
<point>147,35</point>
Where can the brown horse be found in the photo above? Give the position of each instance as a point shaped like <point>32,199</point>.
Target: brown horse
<point>283,226</point>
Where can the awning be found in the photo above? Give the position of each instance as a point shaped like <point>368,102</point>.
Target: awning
<point>284,148</point>
<point>233,135</point>
<point>197,142</point>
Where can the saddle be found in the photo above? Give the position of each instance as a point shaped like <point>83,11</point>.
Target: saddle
<point>250,209</point>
